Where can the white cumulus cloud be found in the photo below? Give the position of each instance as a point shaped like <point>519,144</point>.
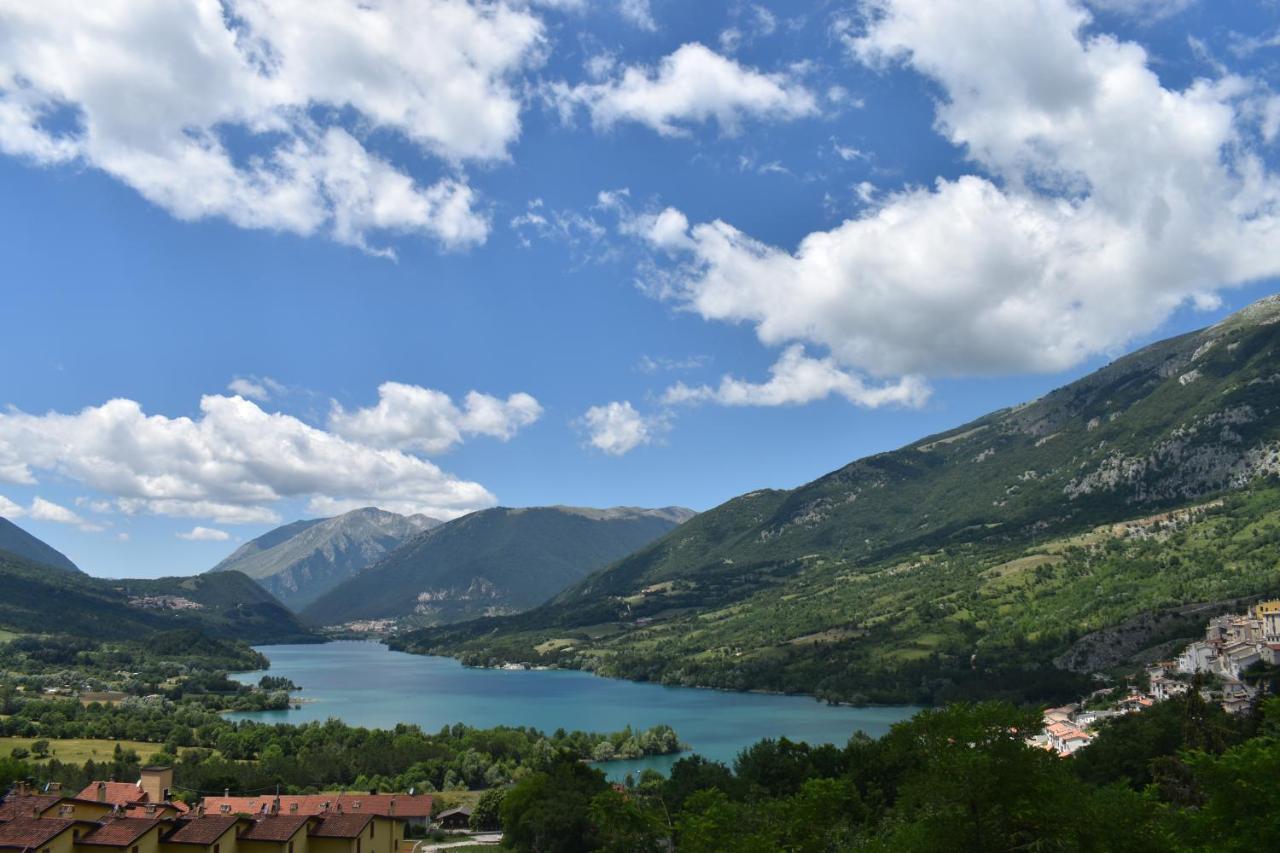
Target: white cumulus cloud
<point>231,463</point>
<point>412,417</point>
<point>796,379</point>
<point>617,428</point>
<point>1099,202</point>
<point>204,534</point>
<point>44,510</point>
<point>694,85</point>
<point>164,96</point>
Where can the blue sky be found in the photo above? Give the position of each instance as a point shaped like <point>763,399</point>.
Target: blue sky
<point>681,250</point>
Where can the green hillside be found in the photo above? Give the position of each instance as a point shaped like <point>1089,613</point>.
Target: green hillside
<point>494,561</point>
<point>38,600</point>
<point>956,562</point>
<point>16,541</point>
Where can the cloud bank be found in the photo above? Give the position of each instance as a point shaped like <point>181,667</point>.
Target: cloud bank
<point>242,109</point>
<point>1100,202</point>
<point>235,460</point>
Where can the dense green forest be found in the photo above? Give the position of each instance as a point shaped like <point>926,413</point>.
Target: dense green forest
<point>210,753</point>
<point>1183,776</point>
<point>38,599</point>
<point>964,621</point>
<point>182,664</point>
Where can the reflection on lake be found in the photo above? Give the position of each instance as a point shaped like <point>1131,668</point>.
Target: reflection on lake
<point>366,684</point>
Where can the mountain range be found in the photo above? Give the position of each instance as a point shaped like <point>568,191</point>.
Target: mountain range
<point>300,562</point>
<point>499,560</point>
<point>978,554</point>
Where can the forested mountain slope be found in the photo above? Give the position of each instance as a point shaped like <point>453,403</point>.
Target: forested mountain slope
<point>227,605</point>
<point>901,574</point>
<point>494,561</point>
<point>20,543</point>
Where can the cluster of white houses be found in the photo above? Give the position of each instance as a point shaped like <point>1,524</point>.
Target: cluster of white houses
<point>1232,644</point>
<point>121,817</point>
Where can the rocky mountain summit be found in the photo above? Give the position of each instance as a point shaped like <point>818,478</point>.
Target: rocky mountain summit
<point>501,560</point>
<point>300,562</point>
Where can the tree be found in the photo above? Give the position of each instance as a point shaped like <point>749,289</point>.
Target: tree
<point>974,784</point>
<point>13,770</point>
<point>1241,808</point>
<point>488,811</point>
<point>40,748</point>
<point>549,811</point>
<point>693,774</point>
<point>625,823</point>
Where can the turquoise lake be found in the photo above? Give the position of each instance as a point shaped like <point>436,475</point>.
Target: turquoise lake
<point>366,684</point>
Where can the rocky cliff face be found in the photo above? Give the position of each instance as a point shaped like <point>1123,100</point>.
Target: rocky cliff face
<point>302,561</point>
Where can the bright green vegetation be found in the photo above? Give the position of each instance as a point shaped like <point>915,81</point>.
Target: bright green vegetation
<point>180,664</point>
<point>494,561</point>
<point>962,564</point>
<point>72,750</point>
<point>1182,777</point>
<point>40,600</point>
<point>210,753</point>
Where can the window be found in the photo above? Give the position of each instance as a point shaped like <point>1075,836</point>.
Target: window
<point>371,829</point>
<point>290,847</point>
<point>134,850</point>
<point>216,848</point>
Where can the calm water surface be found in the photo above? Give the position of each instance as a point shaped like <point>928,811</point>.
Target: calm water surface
<point>366,684</point>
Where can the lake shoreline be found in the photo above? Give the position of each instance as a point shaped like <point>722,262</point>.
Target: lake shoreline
<point>518,666</point>
<point>367,684</point>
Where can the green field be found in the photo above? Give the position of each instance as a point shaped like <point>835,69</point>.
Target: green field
<point>80,750</point>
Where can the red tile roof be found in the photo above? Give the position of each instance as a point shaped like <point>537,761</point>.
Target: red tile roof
<point>342,825</point>
<point>27,832</point>
<point>202,830</point>
<point>275,828</point>
<point>117,793</point>
<point>120,831</point>
<point>386,805</point>
<point>27,805</point>
<point>161,809</point>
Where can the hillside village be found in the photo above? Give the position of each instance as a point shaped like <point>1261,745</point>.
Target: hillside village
<point>142,817</point>
<point>1232,644</point>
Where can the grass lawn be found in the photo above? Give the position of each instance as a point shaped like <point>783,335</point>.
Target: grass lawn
<point>454,799</point>
<point>6,635</point>
<point>80,750</point>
